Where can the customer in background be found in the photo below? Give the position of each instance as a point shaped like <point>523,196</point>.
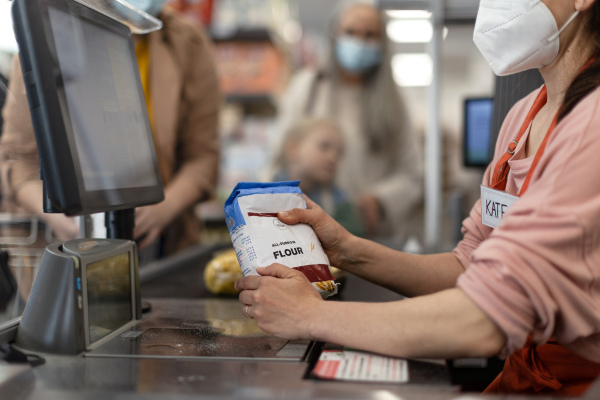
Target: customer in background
<point>382,169</point>
<point>312,151</point>
<point>181,86</point>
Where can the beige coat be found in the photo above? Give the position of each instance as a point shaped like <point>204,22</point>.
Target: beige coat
<point>185,101</point>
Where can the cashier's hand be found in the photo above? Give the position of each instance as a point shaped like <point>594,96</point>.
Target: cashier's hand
<point>282,301</point>
<point>150,222</point>
<point>331,234</point>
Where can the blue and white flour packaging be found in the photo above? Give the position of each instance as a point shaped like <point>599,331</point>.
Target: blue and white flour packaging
<point>261,239</point>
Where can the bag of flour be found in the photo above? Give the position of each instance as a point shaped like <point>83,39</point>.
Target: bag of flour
<point>261,239</point>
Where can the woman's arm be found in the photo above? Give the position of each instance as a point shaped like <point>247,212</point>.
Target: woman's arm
<point>30,197</point>
<point>443,325</point>
<point>19,160</point>
<point>151,220</point>
<point>408,274</point>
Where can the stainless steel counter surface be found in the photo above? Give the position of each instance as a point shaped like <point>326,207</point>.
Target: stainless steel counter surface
<point>186,371</point>
<point>192,328</point>
<point>219,379</point>
<point>213,377</point>
<point>86,378</point>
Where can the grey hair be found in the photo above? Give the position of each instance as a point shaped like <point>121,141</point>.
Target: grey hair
<point>385,114</point>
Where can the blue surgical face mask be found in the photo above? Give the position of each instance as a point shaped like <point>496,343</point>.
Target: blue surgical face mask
<point>151,7</point>
<point>357,56</point>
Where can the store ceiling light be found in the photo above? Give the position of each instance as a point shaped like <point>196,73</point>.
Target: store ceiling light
<point>412,69</point>
<point>408,14</point>
<point>410,31</point>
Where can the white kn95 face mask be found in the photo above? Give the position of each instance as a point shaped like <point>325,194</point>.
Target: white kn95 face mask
<point>517,35</point>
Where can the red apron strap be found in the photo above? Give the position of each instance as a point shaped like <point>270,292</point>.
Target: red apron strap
<point>538,156</point>
<point>502,167</point>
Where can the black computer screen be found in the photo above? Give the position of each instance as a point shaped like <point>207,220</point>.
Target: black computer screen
<point>88,108</point>
<point>107,117</point>
<point>478,132</point>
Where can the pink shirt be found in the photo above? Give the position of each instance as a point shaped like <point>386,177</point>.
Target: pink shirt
<point>539,271</point>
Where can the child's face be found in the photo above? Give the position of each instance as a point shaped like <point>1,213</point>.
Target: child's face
<point>317,156</point>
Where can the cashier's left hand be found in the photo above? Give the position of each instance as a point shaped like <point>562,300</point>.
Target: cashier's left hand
<point>150,222</point>
<point>282,301</point>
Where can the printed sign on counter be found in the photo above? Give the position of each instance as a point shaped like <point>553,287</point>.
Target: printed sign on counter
<point>360,366</point>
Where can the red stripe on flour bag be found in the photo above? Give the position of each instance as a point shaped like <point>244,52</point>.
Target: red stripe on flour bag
<point>316,272</point>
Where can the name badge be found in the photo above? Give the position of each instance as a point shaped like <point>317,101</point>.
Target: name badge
<point>494,204</point>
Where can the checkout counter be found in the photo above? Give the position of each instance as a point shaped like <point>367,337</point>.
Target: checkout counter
<point>203,347</point>
<point>98,327</point>
<point>190,348</point>
<point>167,347</point>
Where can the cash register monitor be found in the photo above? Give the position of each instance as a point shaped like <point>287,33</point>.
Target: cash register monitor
<point>88,108</point>
<point>478,132</point>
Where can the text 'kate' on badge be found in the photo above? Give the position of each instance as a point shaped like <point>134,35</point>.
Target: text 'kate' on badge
<point>494,205</point>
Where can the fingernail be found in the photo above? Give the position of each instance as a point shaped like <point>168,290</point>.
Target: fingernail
<point>284,214</point>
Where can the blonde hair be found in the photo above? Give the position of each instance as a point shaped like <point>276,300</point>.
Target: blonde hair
<point>298,133</point>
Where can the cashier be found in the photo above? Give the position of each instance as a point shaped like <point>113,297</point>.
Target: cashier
<point>178,74</point>
<point>524,285</point>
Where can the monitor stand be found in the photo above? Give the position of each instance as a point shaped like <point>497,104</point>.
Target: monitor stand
<point>120,224</point>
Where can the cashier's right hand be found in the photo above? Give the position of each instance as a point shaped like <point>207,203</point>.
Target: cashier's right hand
<point>336,240</point>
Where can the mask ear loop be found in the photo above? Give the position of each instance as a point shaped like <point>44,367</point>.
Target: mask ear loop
<point>557,34</point>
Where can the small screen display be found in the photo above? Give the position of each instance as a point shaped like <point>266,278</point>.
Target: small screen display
<point>108,295</point>
<point>112,135</point>
<point>478,131</point>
